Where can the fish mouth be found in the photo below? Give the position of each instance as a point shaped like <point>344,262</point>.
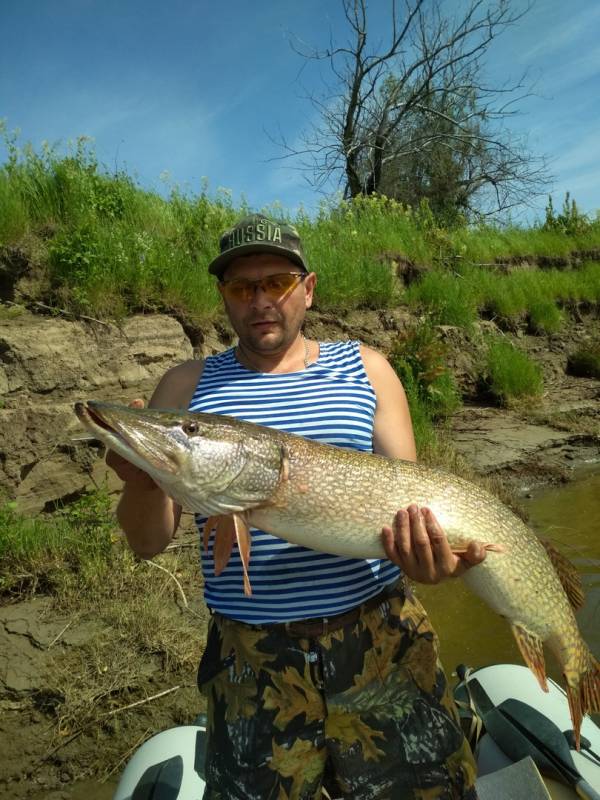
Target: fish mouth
<point>93,420</point>
<point>134,441</point>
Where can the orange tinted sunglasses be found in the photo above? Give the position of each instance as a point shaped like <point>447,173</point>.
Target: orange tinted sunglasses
<point>276,287</point>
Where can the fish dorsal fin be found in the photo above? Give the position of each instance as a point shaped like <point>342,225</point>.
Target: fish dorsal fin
<point>568,575</point>
<point>531,649</point>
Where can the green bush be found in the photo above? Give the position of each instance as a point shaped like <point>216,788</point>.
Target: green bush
<point>509,374</point>
<point>570,221</point>
<point>419,359</point>
<point>447,297</point>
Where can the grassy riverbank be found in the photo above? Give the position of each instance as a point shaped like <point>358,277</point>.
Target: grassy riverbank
<point>77,238</point>
<point>102,650</point>
<point>116,634</point>
<point>101,245</point>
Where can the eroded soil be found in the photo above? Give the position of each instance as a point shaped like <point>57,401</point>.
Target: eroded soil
<point>67,679</point>
<point>68,674</point>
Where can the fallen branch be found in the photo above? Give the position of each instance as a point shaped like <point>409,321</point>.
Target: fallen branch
<point>139,702</point>
<point>180,546</point>
<point>179,586</point>
<point>62,311</point>
<point>170,574</point>
<point>58,635</point>
<point>108,714</point>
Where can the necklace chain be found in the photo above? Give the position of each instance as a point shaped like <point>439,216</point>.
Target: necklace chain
<point>306,354</point>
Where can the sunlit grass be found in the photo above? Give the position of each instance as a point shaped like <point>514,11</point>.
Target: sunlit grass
<point>510,374</point>
<point>71,549</point>
<point>111,248</point>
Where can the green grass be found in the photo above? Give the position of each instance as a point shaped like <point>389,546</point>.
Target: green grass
<point>585,361</point>
<point>419,356</point>
<point>70,549</point>
<point>104,246</point>
<point>533,296</point>
<point>509,374</point>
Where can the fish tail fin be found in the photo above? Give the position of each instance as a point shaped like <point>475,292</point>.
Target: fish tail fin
<point>583,689</point>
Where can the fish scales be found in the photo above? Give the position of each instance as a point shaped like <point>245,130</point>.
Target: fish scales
<point>338,500</point>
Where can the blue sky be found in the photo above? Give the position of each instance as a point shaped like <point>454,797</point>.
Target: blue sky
<point>191,89</point>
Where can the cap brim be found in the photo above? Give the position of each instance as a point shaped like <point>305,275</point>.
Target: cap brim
<point>219,264</point>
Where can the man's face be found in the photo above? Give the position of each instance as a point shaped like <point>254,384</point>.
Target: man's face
<point>262,323</point>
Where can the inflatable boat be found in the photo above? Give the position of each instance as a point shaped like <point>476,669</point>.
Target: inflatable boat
<point>522,738</point>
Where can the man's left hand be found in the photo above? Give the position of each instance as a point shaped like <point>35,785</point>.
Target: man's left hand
<point>418,545</point>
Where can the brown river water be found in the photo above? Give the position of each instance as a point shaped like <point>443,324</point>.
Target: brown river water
<point>472,634</point>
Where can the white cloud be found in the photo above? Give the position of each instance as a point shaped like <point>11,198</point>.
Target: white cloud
<point>554,35</point>
<point>572,72</point>
<point>585,154</point>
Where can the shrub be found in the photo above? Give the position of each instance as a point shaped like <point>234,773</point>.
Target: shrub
<point>419,358</point>
<point>447,296</point>
<point>570,221</point>
<point>509,374</point>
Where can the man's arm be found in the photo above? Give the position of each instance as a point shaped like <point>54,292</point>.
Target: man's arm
<point>415,541</point>
<point>392,428</point>
<point>148,517</point>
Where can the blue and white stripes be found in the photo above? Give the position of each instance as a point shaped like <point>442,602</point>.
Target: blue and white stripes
<point>330,401</point>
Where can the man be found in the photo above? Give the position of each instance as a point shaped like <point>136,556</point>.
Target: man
<point>328,674</point>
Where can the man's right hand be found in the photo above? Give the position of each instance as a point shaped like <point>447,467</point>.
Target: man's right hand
<point>127,471</point>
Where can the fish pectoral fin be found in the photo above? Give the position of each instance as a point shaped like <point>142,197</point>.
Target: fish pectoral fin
<point>244,539</point>
<point>224,538</point>
<point>489,547</point>
<point>284,467</point>
<point>567,574</point>
<point>532,651</point>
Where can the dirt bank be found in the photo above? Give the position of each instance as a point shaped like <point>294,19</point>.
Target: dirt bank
<point>66,673</point>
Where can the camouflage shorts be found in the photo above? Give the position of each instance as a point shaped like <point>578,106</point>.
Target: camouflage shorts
<point>363,711</point>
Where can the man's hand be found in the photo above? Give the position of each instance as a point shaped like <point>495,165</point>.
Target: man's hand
<point>418,545</point>
<point>127,471</point>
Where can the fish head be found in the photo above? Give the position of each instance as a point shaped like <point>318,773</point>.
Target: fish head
<point>207,462</point>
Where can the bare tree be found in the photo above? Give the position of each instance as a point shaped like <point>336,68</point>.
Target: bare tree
<point>419,101</point>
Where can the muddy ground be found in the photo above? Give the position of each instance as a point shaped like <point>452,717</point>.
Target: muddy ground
<point>67,675</point>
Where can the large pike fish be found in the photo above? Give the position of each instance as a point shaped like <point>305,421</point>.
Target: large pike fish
<point>336,500</point>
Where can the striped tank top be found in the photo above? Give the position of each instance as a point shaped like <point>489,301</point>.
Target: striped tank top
<point>330,401</point>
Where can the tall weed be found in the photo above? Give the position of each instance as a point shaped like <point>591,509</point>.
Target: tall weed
<point>509,374</point>
<point>418,358</point>
<point>446,296</point>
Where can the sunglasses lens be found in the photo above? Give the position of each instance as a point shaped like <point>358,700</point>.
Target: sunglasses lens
<point>275,286</point>
<point>239,290</point>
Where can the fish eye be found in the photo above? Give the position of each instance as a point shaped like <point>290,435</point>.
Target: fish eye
<point>190,427</point>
